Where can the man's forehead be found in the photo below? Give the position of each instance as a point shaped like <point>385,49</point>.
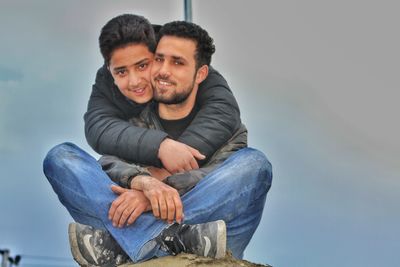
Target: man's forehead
<point>173,46</point>
<point>132,54</point>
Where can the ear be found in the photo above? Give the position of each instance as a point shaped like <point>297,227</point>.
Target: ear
<point>201,74</point>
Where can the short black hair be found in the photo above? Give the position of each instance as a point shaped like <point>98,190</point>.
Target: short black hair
<point>124,30</point>
<point>204,43</point>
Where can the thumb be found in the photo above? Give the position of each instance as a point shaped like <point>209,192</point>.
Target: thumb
<point>118,190</point>
<point>196,153</point>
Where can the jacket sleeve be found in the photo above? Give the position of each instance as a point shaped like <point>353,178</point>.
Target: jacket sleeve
<point>107,129</point>
<point>184,182</point>
<point>120,171</point>
<point>217,119</point>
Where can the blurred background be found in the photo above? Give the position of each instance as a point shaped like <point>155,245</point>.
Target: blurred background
<point>318,86</point>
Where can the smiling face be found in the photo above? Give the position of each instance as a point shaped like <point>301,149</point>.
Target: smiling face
<point>130,67</point>
<point>174,74</point>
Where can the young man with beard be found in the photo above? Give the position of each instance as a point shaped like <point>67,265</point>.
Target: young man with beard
<point>113,102</point>
<point>181,63</point>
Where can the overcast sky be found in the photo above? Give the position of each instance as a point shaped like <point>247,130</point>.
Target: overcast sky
<point>318,86</point>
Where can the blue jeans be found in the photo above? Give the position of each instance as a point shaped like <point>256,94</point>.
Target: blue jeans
<point>234,192</point>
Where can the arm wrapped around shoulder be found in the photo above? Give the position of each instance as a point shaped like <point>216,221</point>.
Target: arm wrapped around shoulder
<point>217,119</point>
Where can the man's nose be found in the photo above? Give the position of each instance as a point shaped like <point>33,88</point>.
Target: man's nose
<point>164,70</point>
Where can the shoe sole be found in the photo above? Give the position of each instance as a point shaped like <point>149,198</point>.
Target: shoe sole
<point>76,253</point>
<point>221,240</point>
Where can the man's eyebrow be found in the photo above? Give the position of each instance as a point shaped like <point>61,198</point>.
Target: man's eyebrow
<point>178,58</point>
<point>141,61</point>
<point>119,68</point>
<point>173,57</point>
<point>134,64</point>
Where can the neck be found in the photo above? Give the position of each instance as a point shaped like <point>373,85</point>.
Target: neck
<point>178,111</point>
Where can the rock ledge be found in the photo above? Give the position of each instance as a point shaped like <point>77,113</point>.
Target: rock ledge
<point>186,260</point>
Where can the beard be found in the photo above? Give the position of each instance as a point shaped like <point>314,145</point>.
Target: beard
<point>173,99</point>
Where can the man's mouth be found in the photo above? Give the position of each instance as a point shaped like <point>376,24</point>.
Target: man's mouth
<point>138,91</point>
<point>164,82</point>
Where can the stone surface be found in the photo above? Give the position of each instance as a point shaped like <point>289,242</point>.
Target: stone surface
<point>186,260</point>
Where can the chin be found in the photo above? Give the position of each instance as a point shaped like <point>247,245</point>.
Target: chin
<point>142,100</point>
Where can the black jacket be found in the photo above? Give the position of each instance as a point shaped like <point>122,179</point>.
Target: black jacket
<point>121,171</point>
<point>108,131</point>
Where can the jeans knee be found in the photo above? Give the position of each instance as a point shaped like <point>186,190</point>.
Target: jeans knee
<point>265,168</point>
<point>257,160</point>
<point>56,156</point>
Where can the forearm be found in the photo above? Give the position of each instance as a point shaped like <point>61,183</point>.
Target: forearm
<point>120,171</point>
<point>184,182</point>
<point>134,144</point>
<point>218,117</point>
<point>159,173</point>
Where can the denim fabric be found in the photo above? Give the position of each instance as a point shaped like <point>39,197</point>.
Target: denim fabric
<point>235,192</point>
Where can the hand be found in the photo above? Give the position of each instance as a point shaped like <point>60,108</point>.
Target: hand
<point>178,157</point>
<point>127,207</point>
<point>165,201</point>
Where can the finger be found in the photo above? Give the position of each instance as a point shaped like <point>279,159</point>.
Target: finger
<point>178,208</point>
<point>180,170</point>
<point>154,206</point>
<point>163,207</point>
<point>196,153</point>
<point>118,190</point>
<point>188,165</point>
<point>134,215</point>
<point>170,208</point>
<point>118,213</point>
<point>125,215</point>
<point>194,164</point>
<point>114,206</point>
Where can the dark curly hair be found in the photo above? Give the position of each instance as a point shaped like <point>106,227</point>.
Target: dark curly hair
<point>124,30</point>
<point>183,29</point>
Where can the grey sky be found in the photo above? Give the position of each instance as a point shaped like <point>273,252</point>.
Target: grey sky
<point>318,87</point>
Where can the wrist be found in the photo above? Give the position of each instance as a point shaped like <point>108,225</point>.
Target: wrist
<point>138,182</point>
<point>142,172</point>
<point>164,145</point>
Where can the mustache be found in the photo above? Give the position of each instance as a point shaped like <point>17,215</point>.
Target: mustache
<point>163,79</point>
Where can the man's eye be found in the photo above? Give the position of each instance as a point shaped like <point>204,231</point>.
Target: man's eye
<point>178,62</point>
<point>143,66</point>
<point>158,59</point>
<point>121,72</point>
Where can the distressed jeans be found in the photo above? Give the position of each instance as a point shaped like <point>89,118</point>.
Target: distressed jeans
<point>234,192</point>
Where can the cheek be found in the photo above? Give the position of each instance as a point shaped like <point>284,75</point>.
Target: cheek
<point>185,78</point>
<point>150,92</point>
<point>121,83</point>
<point>154,69</point>
<point>145,75</point>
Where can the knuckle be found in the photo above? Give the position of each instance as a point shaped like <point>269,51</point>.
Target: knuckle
<point>125,215</point>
